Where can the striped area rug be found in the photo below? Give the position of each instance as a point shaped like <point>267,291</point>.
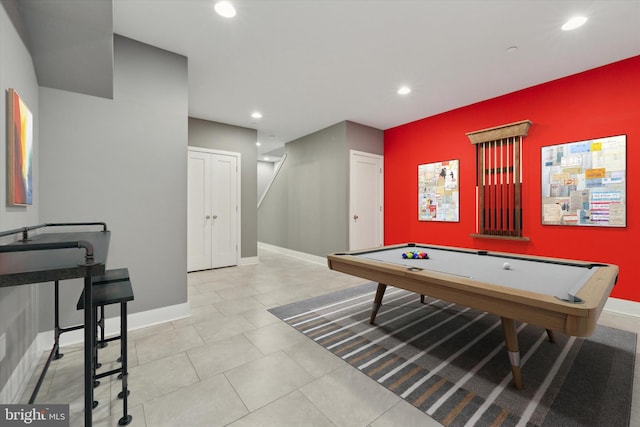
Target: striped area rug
<point>450,362</point>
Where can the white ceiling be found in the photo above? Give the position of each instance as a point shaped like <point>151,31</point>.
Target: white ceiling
<point>308,64</point>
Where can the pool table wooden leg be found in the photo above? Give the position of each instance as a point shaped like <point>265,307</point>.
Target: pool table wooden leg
<point>377,302</point>
<point>511,340</point>
<point>552,337</point>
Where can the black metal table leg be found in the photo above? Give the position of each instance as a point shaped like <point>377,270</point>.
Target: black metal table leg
<point>56,320</point>
<point>89,338</point>
<point>124,394</point>
<point>96,364</point>
<point>102,343</point>
<point>55,350</point>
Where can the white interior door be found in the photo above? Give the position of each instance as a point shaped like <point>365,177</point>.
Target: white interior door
<point>224,211</point>
<point>198,208</point>
<point>213,209</point>
<point>366,189</point>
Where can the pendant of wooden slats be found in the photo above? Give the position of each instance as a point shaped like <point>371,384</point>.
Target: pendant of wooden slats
<point>499,179</point>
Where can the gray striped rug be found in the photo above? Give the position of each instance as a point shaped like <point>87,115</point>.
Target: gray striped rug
<point>449,361</point>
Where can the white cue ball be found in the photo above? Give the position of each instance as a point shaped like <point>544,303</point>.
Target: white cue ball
<point>506,266</point>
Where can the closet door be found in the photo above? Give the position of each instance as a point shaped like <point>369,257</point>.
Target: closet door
<point>224,211</point>
<point>199,211</point>
<point>213,213</point>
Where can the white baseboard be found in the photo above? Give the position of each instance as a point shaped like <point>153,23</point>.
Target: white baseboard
<point>249,260</point>
<point>135,321</point>
<point>620,306</point>
<point>43,342</point>
<point>289,252</point>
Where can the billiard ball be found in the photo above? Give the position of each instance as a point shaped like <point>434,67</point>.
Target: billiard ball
<point>506,266</point>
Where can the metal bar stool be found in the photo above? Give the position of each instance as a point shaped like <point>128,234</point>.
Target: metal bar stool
<point>112,288</point>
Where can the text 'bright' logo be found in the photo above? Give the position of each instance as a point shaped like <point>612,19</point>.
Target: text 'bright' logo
<point>25,416</point>
<point>38,415</point>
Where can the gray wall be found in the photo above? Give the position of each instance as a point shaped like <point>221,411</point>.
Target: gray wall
<point>122,161</point>
<point>307,206</point>
<point>71,44</point>
<point>364,138</point>
<point>265,173</point>
<point>18,307</point>
<point>219,136</point>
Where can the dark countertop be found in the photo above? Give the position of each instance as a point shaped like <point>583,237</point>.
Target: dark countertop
<point>36,266</point>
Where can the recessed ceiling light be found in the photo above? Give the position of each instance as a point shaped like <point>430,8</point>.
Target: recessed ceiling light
<point>225,9</point>
<point>256,115</point>
<point>404,90</point>
<point>573,23</point>
<point>258,143</point>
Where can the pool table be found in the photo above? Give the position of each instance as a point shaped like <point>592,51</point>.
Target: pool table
<point>555,294</point>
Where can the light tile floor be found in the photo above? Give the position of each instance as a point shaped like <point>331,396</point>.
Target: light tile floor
<point>234,364</point>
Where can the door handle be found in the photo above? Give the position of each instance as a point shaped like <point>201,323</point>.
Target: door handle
<point>207,217</point>
<point>215,216</point>
<point>355,217</point>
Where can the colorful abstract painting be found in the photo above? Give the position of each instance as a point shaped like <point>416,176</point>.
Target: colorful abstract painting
<point>19,151</point>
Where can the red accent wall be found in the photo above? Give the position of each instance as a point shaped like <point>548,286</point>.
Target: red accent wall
<point>601,102</point>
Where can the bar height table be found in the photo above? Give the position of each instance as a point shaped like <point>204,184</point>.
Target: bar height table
<point>50,256</point>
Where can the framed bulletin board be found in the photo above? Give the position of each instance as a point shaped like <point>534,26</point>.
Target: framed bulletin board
<point>584,183</point>
<point>438,194</point>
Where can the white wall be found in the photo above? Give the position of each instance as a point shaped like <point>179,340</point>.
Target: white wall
<point>122,161</point>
